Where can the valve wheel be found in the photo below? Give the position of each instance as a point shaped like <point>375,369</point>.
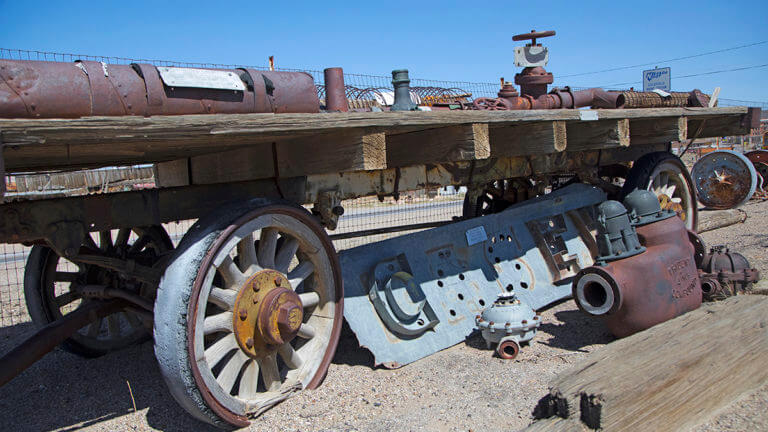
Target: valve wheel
<point>508,349</point>
<point>53,287</point>
<point>248,312</point>
<point>491,104</point>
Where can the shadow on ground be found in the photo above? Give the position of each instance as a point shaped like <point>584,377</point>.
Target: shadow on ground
<point>574,331</point>
<point>63,391</point>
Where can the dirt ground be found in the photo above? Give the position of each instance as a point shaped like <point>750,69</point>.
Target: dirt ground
<point>462,388</point>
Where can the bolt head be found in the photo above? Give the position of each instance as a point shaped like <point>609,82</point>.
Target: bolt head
<point>249,342</point>
<point>243,314</point>
<point>278,281</point>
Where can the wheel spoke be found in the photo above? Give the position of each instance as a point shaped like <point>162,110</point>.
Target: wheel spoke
<point>90,243</point>
<point>218,323</point>
<point>223,298</point>
<point>139,244</point>
<point>228,376</point>
<point>300,273</point>
<point>232,275</point>
<point>286,254</point>
<point>113,325</point>
<point>250,381</point>
<point>132,319</point>
<point>270,372</point>
<point>123,235</point>
<point>246,253</point>
<point>306,331</point>
<point>290,356</point>
<point>66,298</point>
<point>309,299</point>
<point>94,328</point>
<point>218,350</point>
<point>267,246</point>
<point>105,240</point>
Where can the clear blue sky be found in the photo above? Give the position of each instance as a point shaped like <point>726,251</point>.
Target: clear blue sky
<point>443,40</point>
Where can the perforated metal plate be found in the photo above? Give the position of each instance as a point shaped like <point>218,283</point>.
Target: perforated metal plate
<point>411,296</point>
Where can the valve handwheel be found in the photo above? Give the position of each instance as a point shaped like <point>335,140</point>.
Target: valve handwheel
<point>491,104</point>
<point>533,35</point>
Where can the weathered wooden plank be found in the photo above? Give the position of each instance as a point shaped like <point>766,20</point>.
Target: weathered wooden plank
<point>673,376</point>
<point>655,131</point>
<point>172,173</point>
<point>254,162</point>
<point>597,134</point>
<point>717,127</point>
<point>350,150</point>
<point>446,144</point>
<point>528,138</point>
<point>99,141</point>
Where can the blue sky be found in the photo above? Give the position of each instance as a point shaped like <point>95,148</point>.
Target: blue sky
<point>462,41</point>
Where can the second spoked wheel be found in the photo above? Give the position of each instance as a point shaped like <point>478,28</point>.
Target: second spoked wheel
<point>248,312</point>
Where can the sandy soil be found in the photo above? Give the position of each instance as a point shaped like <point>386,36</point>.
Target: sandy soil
<point>461,388</point>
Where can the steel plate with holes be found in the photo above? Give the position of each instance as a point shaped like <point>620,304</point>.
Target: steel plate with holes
<point>201,78</point>
<point>724,179</point>
<point>411,296</point>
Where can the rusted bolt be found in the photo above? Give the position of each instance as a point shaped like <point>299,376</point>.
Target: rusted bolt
<point>243,314</point>
<point>255,300</point>
<point>249,342</point>
<point>525,321</point>
<point>491,323</point>
<point>255,287</point>
<point>277,281</point>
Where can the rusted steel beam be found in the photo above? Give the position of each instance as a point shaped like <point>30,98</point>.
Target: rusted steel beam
<point>49,337</point>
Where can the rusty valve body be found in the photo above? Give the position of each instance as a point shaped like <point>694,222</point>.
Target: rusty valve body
<point>44,89</point>
<point>635,287</point>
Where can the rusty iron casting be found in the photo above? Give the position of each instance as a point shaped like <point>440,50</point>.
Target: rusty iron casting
<point>267,314</point>
<point>724,273</point>
<point>724,179</point>
<point>43,89</point>
<point>634,291</point>
<point>49,337</point>
<point>402,83</point>
<point>335,91</point>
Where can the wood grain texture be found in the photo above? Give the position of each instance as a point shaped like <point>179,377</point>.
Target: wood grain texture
<point>446,144</point>
<point>655,131</point>
<point>31,144</point>
<point>673,376</point>
<point>528,138</point>
<point>172,173</point>
<point>248,163</point>
<point>598,134</point>
<point>350,150</point>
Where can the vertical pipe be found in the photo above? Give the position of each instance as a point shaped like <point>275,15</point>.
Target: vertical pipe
<point>402,85</point>
<point>335,96</point>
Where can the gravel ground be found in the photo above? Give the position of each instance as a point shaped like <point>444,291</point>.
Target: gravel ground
<point>460,388</point>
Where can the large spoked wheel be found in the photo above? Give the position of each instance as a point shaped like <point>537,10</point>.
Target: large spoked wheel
<point>665,175</point>
<point>54,287</point>
<point>248,311</point>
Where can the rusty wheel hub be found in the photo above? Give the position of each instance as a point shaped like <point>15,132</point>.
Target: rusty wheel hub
<point>267,313</point>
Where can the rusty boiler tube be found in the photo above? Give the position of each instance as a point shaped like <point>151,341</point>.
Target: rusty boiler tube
<point>335,95</point>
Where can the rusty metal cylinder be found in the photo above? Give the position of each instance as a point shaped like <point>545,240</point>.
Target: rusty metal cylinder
<point>635,293</point>
<point>335,95</point>
<point>42,89</point>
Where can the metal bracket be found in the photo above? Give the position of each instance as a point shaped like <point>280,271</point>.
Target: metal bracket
<point>328,208</point>
<point>391,311</point>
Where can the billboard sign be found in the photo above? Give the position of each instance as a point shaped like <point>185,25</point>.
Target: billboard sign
<point>659,78</point>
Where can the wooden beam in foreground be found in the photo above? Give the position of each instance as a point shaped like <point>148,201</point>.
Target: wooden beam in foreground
<point>673,376</point>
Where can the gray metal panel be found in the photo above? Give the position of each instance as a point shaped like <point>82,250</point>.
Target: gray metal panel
<point>534,248</point>
<point>201,78</point>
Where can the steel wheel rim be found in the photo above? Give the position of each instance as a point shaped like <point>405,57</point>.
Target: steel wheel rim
<point>669,184</point>
<point>239,383</point>
<point>119,329</point>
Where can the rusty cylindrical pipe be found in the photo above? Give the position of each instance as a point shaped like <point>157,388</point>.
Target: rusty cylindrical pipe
<point>335,96</point>
<point>49,337</point>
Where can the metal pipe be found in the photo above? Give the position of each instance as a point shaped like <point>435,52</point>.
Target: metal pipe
<point>42,89</point>
<point>335,96</point>
<point>49,337</point>
<point>402,85</point>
